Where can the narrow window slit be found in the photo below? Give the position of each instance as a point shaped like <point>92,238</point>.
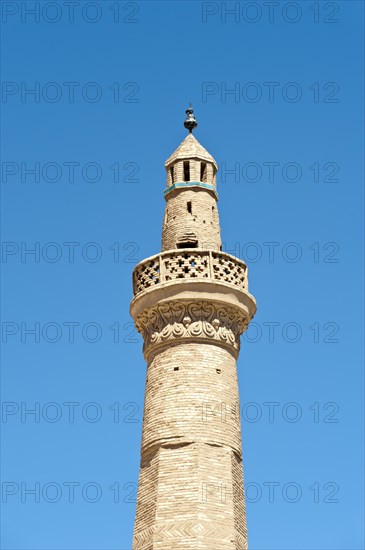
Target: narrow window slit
<point>191,244</point>
<point>203,172</point>
<point>186,170</point>
<point>188,206</point>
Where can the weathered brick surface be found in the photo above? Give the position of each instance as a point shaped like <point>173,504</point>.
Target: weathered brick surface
<point>191,449</point>
<point>197,402</point>
<point>190,489</point>
<point>202,224</point>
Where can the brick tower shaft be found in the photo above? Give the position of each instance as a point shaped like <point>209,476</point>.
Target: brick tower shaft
<point>191,304</point>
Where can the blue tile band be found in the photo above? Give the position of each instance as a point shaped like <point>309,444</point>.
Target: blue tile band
<point>191,184</point>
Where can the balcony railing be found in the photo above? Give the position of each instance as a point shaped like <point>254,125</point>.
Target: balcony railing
<point>189,264</point>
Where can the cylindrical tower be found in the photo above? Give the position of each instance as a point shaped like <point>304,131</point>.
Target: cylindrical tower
<point>191,304</point>
<point>191,214</point>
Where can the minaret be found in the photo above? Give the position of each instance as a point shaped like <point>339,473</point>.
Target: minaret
<point>191,304</point>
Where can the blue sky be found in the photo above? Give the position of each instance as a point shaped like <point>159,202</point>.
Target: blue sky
<point>111,88</point>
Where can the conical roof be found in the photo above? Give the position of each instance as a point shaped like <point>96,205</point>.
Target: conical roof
<point>190,148</point>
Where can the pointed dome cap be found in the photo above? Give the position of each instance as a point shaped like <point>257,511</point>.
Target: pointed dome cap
<point>190,148</point>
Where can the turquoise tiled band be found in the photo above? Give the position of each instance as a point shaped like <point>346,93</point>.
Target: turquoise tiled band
<point>191,184</point>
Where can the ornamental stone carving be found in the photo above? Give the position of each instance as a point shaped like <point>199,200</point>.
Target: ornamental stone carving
<point>176,320</point>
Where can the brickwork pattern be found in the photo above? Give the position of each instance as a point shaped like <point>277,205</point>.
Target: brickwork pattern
<point>201,225</point>
<point>195,501</point>
<point>191,448</point>
<point>190,148</point>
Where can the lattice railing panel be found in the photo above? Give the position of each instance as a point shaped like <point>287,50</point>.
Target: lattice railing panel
<point>189,264</point>
<point>228,269</point>
<point>186,265</point>
<point>146,274</point>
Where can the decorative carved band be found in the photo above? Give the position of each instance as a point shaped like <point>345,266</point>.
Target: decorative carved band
<point>177,320</point>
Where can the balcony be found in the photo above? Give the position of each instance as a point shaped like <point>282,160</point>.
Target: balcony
<point>190,264</point>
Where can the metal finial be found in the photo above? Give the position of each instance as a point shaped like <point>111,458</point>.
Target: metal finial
<point>190,121</point>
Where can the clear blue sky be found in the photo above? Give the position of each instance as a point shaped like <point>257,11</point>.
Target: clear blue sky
<point>294,212</point>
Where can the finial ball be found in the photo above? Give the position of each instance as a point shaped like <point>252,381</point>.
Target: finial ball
<point>190,121</point>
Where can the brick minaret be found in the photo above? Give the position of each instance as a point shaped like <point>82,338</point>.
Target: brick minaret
<point>191,304</point>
